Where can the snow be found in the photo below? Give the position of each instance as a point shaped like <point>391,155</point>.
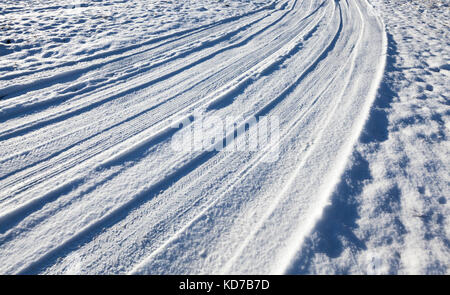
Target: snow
<point>112,114</point>
<point>389,214</point>
<point>44,33</point>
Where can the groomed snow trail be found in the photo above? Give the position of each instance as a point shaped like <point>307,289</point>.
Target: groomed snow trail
<point>90,183</point>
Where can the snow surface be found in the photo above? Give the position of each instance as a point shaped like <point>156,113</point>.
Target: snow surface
<point>390,212</point>
<point>90,181</point>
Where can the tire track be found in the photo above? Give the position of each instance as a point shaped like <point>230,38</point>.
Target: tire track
<point>120,188</point>
<point>148,142</point>
<point>100,148</point>
<point>202,157</point>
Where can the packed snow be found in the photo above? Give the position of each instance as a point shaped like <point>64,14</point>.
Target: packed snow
<point>224,137</point>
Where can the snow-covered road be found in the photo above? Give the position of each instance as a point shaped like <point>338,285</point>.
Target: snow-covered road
<point>92,182</point>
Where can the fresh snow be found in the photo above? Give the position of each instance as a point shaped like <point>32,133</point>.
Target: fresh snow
<point>96,175</point>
